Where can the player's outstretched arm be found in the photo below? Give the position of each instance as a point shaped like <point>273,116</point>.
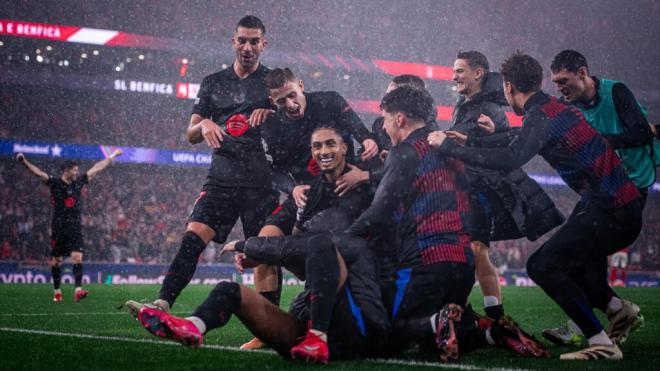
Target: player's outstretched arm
<point>99,166</point>
<point>32,168</point>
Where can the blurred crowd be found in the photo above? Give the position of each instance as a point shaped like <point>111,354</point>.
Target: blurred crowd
<point>97,117</point>
<point>130,214</point>
<point>137,214</point>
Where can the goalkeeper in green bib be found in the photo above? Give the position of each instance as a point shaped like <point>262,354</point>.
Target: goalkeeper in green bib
<point>612,109</point>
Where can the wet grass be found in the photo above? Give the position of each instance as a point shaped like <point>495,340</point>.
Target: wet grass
<point>117,341</point>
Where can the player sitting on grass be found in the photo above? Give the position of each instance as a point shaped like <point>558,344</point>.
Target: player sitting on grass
<point>341,303</point>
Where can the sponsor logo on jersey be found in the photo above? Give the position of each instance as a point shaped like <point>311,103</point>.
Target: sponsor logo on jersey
<point>237,124</point>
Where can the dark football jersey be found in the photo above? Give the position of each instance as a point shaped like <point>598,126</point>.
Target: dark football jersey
<point>228,101</point>
<point>66,200</point>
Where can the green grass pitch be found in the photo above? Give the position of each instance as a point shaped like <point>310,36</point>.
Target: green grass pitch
<point>37,334</point>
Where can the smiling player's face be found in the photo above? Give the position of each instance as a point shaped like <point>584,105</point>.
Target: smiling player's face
<point>329,150</point>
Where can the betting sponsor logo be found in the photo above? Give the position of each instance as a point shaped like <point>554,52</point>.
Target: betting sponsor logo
<point>237,125</point>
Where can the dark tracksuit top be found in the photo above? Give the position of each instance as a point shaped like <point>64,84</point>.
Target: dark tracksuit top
<point>560,134</point>
<point>427,196</point>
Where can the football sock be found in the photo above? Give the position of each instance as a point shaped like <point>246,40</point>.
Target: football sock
<point>183,267</point>
<point>322,269</point>
<point>222,302</point>
<point>574,327</point>
<point>77,274</point>
<point>614,305</point>
<point>201,326</point>
<point>56,272</point>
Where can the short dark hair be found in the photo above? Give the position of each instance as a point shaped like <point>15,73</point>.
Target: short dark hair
<point>570,60</point>
<point>523,71</point>
<point>278,77</point>
<point>414,103</point>
<point>409,80</point>
<point>251,21</point>
<point>474,59</point>
<point>334,129</point>
<point>68,165</point>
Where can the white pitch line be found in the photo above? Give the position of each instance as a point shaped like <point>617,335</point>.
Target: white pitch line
<point>401,362</point>
<point>114,338</point>
<point>405,362</point>
<point>72,314</point>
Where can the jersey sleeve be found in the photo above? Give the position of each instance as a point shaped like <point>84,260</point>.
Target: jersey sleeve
<point>203,104</point>
<point>347,119</point>
<point>534,136</point>
<point>496,113</point>
<point>395,186</point>
<point>501,139</point>
<point>636,127</point>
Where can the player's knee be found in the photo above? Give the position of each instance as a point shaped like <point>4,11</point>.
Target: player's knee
<point>479,249</point>
<point>56,261</point>
<point>270,231</point>
<point>481,256</point>
<point>201,230</point>
<point>535,268</point>
<point>320,244</point>
<point>264,270</point>
<point>227,289</point>
<point>77,258</point>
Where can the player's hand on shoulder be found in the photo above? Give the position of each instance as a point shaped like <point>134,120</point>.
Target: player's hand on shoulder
<point>370,149</point>
<point>299,194</point>
<point>212,133</point>
<point>350,180</point>
<point>259,116</point>
<point>457,137</point>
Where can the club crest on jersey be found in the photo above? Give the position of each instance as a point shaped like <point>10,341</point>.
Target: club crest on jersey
<point>237,124</point>
<point>69,202</point>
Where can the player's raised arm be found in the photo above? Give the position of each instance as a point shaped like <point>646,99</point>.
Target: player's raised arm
<point>32,168</point>
<point>99,166</point>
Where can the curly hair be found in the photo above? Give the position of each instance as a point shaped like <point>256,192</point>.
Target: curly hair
<point>414,103</point>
